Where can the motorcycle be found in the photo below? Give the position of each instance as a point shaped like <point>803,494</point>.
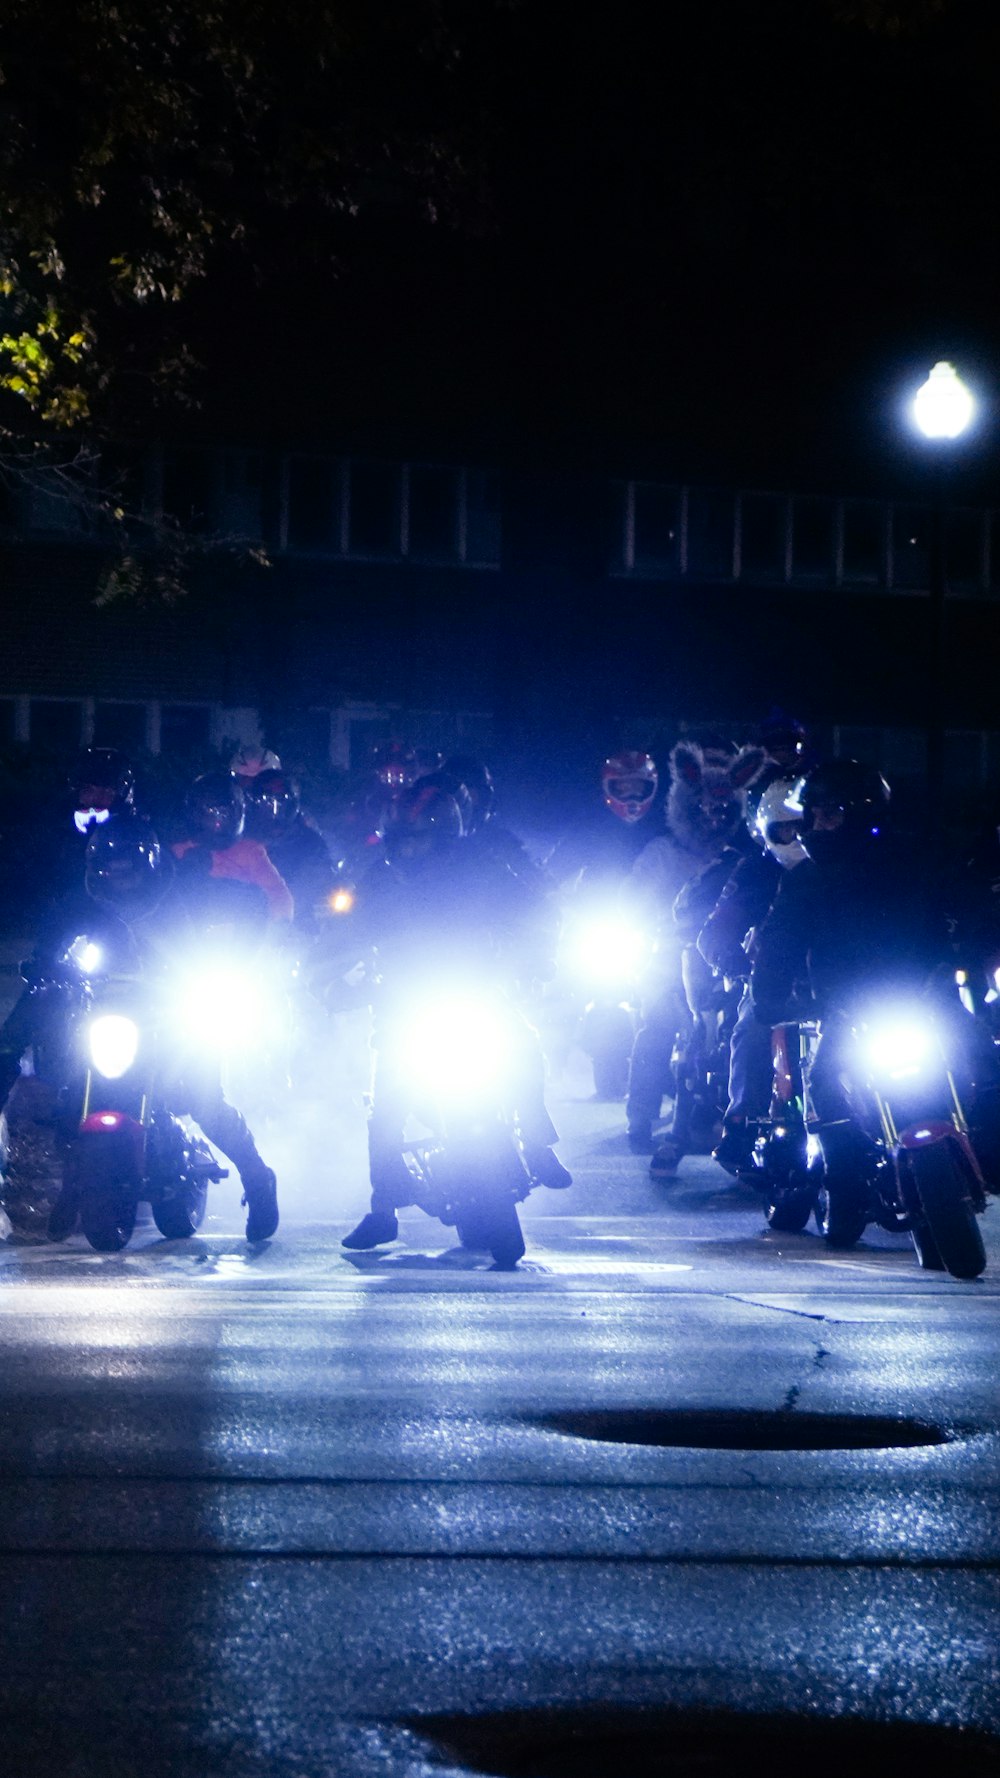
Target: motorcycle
<point>137,1038</point>
<point>458,1054</point>
<point>915,1168</point>
<point>786,1162</point>
<point>603,956</point>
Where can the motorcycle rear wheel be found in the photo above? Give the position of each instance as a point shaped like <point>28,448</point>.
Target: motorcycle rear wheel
<point>950,1217</point>
<point>183,1213</point>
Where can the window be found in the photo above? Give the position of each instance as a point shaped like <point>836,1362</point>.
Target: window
<point>8,722</point>
<point>814,540</point>
<point>433,514</point>
<point>375,514</point>
<point>482,518</point>
<point>185,727</point>
<point>120,725</point>
<point>964,549</point>
<point>711,520</point>
<point>56,724</point>
<point>49,506</point>
<point>656,528</point>
<point>911,547</point>
<point>864,542</point>
<point>763,536</point>
<point>904,753</point>
<point>238,504</point>
<point>314,504</point>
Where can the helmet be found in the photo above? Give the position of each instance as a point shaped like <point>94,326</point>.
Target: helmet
<point>777,819</point>
<point>103,783</point>
<point>125,868</point>
<point>477,780</point>
<point>394,765</point>
<point>445,780</point>
<point>784,737</point>
<point>248,762</point>
<point>845,805</point>
<point>215,808</point>
<point>423,821</point>
<point>629,782</point>
<point>272,800</point>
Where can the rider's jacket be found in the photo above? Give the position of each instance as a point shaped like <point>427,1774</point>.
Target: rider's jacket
<point>725,939</point>
<point>245,861</point>
<point>871,920</point>
<point>302,859</point>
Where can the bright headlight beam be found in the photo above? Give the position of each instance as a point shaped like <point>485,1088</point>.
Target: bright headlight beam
<point>114,1044</point>
<point>899,1050</point>
<point>457,1047</point>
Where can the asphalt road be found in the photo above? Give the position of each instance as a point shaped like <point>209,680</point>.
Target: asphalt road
<point>678,1486</point>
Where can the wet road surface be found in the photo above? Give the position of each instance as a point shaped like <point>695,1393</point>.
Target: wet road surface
<point>281,1511</point>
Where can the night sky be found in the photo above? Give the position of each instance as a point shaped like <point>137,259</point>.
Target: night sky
<point>719,245</point>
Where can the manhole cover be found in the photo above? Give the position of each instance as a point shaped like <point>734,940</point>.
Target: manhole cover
<point>676,1744</point>
<point>739,1429</point>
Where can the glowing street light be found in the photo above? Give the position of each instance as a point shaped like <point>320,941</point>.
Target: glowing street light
<point>943,407</point>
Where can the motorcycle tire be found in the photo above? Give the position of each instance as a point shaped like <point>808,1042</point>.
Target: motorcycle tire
<point>506,1242</point>
<point>182,1214</point>
<point>841,1213</point>
<point>473,1229</point>
<point>107,1216</point>
<point>789,1212</point>
<point>926,1248</point>
<point>950,1217</point>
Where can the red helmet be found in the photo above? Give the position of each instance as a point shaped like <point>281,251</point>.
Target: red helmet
<point>629,782</point>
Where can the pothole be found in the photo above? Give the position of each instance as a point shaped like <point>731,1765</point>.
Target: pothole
<point>742,1429</point>
<point>695,1744</point>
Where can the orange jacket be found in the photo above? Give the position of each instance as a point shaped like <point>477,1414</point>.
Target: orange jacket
<point>246,861</point>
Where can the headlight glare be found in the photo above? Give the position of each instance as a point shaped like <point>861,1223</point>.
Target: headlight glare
<point>114,1044</point>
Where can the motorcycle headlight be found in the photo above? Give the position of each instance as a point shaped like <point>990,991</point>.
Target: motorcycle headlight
<point>608,950</point>
<point>222,1007</point>
<point>87,956</point>
<point>114,1044</point>
<point>457,1047</point>
<point>900,1048</point>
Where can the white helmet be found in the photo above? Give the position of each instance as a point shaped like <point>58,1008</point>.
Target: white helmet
<point>251,760</point>
<point>778,818</point>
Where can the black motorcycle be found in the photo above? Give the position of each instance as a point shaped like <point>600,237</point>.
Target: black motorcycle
<point>458,1053</point>
<point>786,1163</point>
<point>128,1146</point>
<point>910,1162</point>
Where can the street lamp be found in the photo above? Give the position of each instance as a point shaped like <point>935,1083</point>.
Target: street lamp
<point>942,410</point>
<point>943,407</point>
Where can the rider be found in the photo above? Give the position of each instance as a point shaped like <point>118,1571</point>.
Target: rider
<point>705,807</point>
<point>431,904</point>
<point>864,914</point>
<point>103,784</point>
<point>147,917</point>
<point>292,841</point>
<point>726,943</point>
<point>218,848</point>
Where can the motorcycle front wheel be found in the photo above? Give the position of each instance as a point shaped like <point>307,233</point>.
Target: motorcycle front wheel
<point>790,1208</point>
<point>950,1218</point>
<point>494,1229</point>
<point>107,1216</point>
<point>841,1212</point>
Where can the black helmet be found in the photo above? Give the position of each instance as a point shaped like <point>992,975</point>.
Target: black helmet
<point>272,800</point>
<point>215,809</point>
<point>845,805</point>
<point>476,778</point>
<point>103,784</point>
<point>424,820</point>
<point>126,870</point>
